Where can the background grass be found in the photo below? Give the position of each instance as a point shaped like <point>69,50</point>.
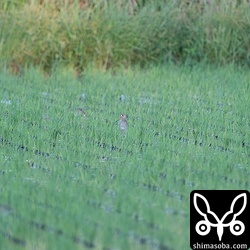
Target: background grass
<point>69,181</point>
<point>110,34</point>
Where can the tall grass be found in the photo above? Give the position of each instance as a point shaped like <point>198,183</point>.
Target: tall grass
<point>104,34</point>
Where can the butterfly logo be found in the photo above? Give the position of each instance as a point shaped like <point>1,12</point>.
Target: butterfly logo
<point>203,227</point>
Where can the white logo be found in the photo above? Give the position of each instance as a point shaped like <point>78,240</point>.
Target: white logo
<point>203,227</point>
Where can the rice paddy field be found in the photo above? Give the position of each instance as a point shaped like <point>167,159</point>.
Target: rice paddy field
<point>70,179</point>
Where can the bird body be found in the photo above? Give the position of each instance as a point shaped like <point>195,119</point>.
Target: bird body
<point>123,123</point>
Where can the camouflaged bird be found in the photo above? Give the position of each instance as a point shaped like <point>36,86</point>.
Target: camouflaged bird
<point>123,123</point>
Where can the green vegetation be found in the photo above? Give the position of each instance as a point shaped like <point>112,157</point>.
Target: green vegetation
<point>70,181</point>
<point>79,33</point>
<point>69,178</point>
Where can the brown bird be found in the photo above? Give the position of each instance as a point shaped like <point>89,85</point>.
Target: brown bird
<point>123,123</point>
<point>80,111</point>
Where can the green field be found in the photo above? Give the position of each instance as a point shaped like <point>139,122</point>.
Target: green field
<point>74,181</point>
